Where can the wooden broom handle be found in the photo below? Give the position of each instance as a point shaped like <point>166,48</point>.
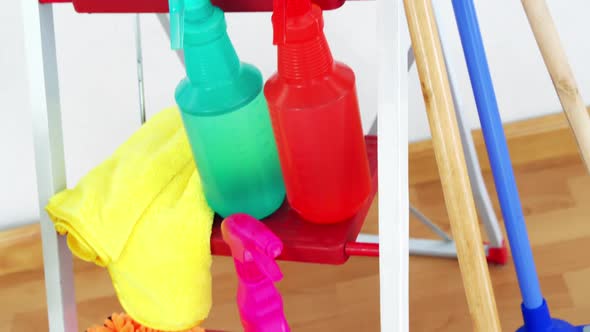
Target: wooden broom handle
<point>451,165</point>
<point>561,74</point>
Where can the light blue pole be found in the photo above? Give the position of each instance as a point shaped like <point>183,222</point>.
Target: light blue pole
<point>495,140</point>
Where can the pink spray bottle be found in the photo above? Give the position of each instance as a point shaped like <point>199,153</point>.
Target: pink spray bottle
<point>254,249</point>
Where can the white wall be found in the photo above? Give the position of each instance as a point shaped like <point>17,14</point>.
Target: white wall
<point>522,84</point>
<point>99,96</point>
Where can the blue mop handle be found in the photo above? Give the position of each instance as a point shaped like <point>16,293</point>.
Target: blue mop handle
<point>495,140</point>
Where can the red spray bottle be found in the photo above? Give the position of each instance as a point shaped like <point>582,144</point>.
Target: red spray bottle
<point>316,121</point>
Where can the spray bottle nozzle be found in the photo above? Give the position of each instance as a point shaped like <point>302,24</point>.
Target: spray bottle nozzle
<point>304,18</point>
<point>176,23</point>
<point>251,242</point>
<point>180,11</point>
<point>279,21</point>
<point>254,248</point>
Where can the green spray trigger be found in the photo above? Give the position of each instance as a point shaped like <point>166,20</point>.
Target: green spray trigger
<point>195,12</point>
<point>176,23</point>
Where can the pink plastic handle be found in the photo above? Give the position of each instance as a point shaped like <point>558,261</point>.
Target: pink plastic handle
<point>254,248</point>
<point>252,242</point>
<point>267,266</point>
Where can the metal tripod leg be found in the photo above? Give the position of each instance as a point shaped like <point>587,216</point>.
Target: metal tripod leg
<point>423,219</point>
<point>139,61</point>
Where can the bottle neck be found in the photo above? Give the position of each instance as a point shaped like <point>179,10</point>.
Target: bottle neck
<point>305,60</point>
<point>211,62</point>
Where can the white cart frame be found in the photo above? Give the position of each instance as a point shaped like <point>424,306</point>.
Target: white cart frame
<point>392,131</point>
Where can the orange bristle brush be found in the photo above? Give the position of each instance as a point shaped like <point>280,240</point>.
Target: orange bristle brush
<point>123,323</point>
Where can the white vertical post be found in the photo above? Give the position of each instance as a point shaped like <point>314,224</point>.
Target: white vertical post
<point>393,166</point>
<point>49,158</point>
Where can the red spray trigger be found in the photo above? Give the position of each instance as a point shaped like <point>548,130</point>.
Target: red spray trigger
<point>284,11</point>
<point>279,20</point>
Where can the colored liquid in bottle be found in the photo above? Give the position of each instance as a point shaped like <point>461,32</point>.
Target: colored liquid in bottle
<point>237,159</point>
<point>226,119</point>
<point>316,120</point>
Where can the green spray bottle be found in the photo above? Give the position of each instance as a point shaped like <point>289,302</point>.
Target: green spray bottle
<point>225,115</point>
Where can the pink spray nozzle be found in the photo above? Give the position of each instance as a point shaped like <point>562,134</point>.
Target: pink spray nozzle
<point>254,248</point>
<point>252,243</point>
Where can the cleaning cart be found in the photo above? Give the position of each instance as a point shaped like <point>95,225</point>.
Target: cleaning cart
<point>302,241</point>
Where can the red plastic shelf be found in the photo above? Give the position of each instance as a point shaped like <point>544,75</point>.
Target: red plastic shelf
<point>307,242</point>
<point>161,6</point>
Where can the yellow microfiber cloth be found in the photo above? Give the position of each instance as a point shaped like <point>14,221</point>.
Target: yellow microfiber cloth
<point>142,214</point>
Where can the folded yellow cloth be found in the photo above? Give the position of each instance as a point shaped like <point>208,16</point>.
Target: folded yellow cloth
<point>142,214</point>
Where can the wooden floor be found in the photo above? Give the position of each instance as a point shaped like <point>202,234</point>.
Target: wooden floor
<point>554,190</point>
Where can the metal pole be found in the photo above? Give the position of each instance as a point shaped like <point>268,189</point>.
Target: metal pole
<point>139,58</point>
<point>433,227</point>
